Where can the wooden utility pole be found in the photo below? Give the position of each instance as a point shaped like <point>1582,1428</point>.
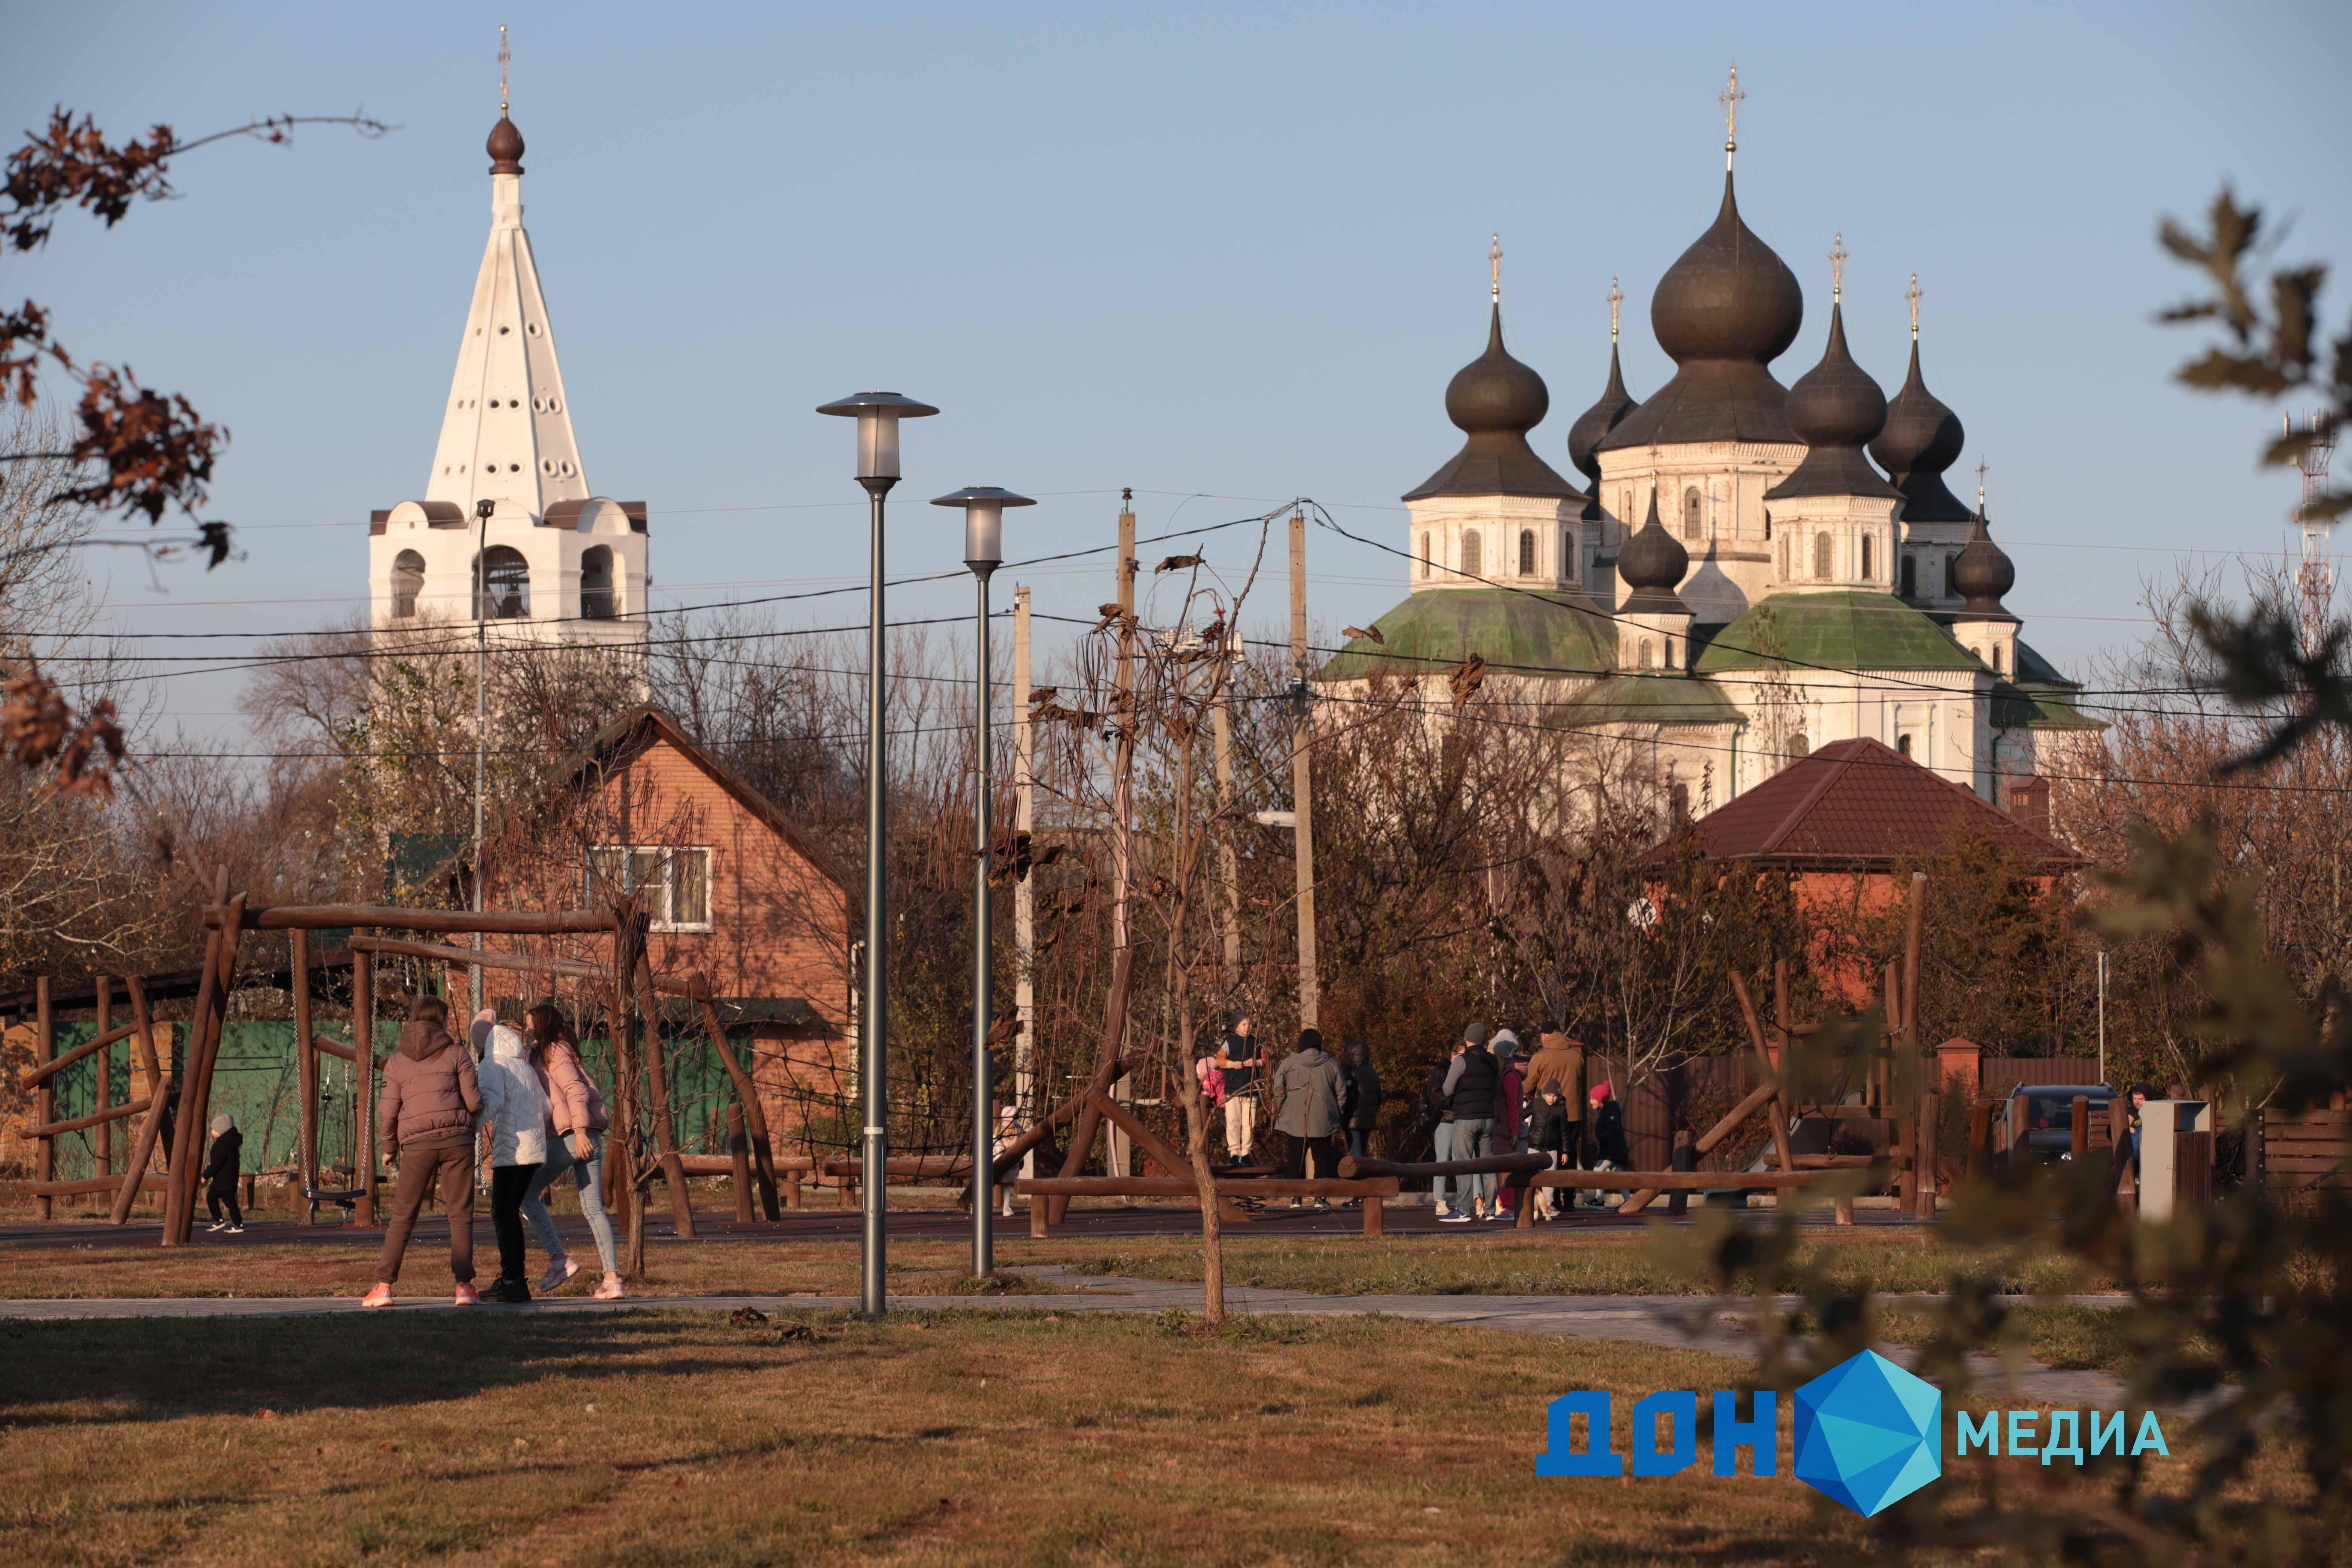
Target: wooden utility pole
<point>1025,893</point>
<point>1115,1139</point>
<point>1925,1100</point>
<point>1302,781</point>
<point>362,1087</point>
<point>306,1077</point>
<point>45,1098</point>
<point>1229,908</point>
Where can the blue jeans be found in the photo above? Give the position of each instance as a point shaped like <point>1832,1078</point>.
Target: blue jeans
<point>589,1176</point>
<point>1474,1141</point>
<point>1359,1142</point>
<point>1444,1151</point>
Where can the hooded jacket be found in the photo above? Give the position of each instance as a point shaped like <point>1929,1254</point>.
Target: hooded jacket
<point>512,1099</point>
<point>1307,1094</point>
<point>1561,1061</point>
<point>430,1092</point>
<point>574,1104</point>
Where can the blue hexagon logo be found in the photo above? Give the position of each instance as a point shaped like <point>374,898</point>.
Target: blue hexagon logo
<point>1869,1432</point>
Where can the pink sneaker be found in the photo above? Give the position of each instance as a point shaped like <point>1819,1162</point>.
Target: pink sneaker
<point>610,1290</point>
<point>379,1297</point>
<point>467,1295</point>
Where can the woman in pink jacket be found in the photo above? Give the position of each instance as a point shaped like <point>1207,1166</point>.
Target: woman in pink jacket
<point>577,1123</point>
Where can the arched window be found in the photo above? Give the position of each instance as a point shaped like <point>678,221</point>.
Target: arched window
<point>1425,556</point>
<point>1910,576</point>
<point>1690,513</point>
<point>1799,745</point>
<point>1666,651</point>
<point>1470,565</point>
<point>407,582</point>
<point>1867,575</point>
<point>1625,506</point>
<point>597,600</point>
<point>1648,653</point>
<point>1784,558</point>
<point>1678,801</point>
<point>508,598</point>
<point>1995,660</point>
<point>1527,552</point>
<point>1821,555</point>
<point>1902,744</point>
<point>1567,553</point>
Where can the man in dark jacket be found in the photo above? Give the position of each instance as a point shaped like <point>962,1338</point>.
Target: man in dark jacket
<point>1360,1110</point>
<point>221,1174</point>
<point>1471,1081</point>
<point>425,1120</point>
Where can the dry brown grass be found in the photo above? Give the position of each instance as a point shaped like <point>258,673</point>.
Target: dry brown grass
<point>677,1437</point>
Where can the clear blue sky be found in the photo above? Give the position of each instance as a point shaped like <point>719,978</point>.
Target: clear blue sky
<point>1225,249</point>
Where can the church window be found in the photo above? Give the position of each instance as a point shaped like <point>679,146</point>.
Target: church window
<point>1910,576</point>
<point>1995,660</point>
<point>1666,648</point>
<point>597,601</point>
<point>1625,505</point>
<point>509,585</point>
<point>1678,801</point>
<point>1470,565</point>
<point>1799,745</point>
<point>1867,575</point>
<point>1902,744</point>
<point>547,467</point>
<point>407,582</point>
<point>1952,569</point>
<point>1821,555</point>
<point>1567,554</point>
<point>1527,552</point>
<point>1784,557</point>
<point>1424,555</point>
<point>1647,653</point>
<point>1690,513</point>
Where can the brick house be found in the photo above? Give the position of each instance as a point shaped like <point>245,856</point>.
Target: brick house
<point>737,894</point>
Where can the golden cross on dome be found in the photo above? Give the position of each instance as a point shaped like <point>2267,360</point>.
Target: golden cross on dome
<point>1731,98</point>
<point>1837,266</point>
<point>1616,298</point>
<point>1981,467</point>
<point>1914,295</point>
<point>1494,264</point>
<point>504,55</point>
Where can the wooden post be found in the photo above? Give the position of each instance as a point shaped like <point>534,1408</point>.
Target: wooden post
<point>45,1098</point>
<point>306,1061</point>
<point>2078,1128</point>
<point>739,1148</point>
<point>1024,888</point>
<point>1115,1151</point>
<point>363,1148</point>
<point>179,1194</point>
<point>1931,1104</point>
<point>625,1084</point>
<point>1302,781</point>
<point>1922,1175</point>
<point>102,1146</point>
<point>1764,1065</point>
<point>1375,1216</point>
<point>1107,1071</point>
<point>159,1095</point>
<point>1229,906</point>
<point>746,1098</point>
<point>1980,1138</point>
<point>199,1089</point>
<point>681,1207</point>
<point>1882,1090</point>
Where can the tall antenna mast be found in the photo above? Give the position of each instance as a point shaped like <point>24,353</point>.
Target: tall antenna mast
<point>2315,577</point>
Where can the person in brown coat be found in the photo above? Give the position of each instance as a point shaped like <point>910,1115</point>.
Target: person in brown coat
<point>426,1121</point>
<point>1561,1061</point>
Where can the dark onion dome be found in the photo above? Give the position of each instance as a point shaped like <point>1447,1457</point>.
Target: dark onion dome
<point>1724,311</point>
<point>1584,435</point>
<point>1652,564</point>
<point>1834,408</point>
<point>505,148</point>
<point>1497,400</point>
<point>1982,573</point>
<point>1921,440</point>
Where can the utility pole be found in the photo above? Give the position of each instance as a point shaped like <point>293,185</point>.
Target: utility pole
<point>1228,875</point>
<point>1024,896</point>
<point>1123,792</point>
<point>1302,781</point>
<point>482,509</point>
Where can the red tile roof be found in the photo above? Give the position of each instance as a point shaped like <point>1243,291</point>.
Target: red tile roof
<point>1853,805</point>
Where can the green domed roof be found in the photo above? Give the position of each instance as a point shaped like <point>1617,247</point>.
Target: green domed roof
<point>1851,630</point>
<point>1650,699</point>
<point>1515,633</point>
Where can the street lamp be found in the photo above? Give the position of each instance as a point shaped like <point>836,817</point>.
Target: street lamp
<point>983,551</point>
<point>877,415</point>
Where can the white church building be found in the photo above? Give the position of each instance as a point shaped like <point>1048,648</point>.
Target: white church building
<point>507,529</point>
<point>1736,583</point>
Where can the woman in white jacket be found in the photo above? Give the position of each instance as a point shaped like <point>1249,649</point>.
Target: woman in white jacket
<point>515,1107</point>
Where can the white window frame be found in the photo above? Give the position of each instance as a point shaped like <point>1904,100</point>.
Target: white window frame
<point>661,888</point>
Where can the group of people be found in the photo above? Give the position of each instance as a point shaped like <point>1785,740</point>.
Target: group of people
<point>1314,1098</point>
<point>1480,1099</point>
<point>547,1121</point>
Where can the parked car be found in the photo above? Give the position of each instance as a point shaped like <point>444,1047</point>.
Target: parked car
<point>2041,1116</point>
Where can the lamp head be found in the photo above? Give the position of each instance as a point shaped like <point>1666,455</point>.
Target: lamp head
<point>983,523</point>
<point>877,415</point>
<point>484,508</point>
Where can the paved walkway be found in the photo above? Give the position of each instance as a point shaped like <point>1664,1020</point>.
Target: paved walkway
<point>1713,1323</point>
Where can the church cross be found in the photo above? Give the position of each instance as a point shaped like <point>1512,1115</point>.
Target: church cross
<point>1837,266</point>
<point>1981,467</point>
<point>1494,264</point>
<point>504,55</point>
<point>1616,298</point>
<point>1731,98</point>
<point>1914,295</point>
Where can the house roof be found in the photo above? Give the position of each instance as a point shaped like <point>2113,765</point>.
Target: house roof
<point>627,738</point>
<point>1853,805</point>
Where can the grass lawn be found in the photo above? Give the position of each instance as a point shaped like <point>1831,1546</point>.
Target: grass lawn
<point>678,1437</point>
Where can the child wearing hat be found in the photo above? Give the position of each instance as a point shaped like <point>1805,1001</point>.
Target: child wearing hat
<point>221,1173</point>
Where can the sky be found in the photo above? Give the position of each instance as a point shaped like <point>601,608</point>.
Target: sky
<point>1222,255</point>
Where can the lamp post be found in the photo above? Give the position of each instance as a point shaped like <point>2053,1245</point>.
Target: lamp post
<point>983,551</point>
<point>877,415</point>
